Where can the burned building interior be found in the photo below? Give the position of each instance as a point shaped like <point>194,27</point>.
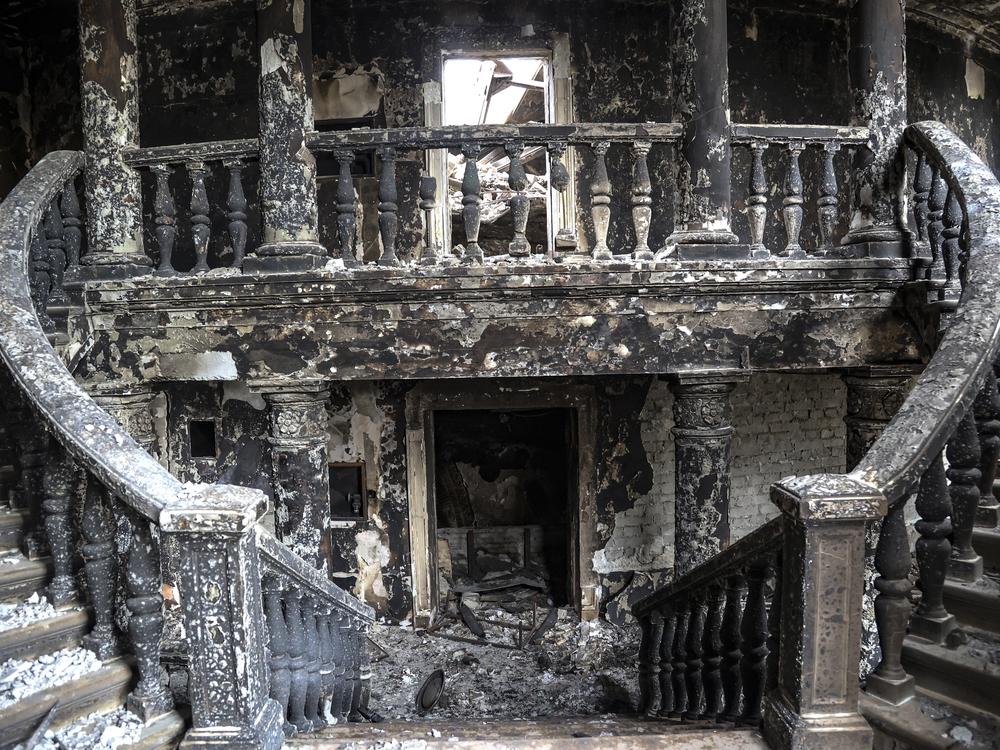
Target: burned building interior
<point>568,374</point>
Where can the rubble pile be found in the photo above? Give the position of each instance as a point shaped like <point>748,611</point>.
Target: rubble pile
<point>575,668</point>
<point>19,677</point>
<point>21,614</point>
<point>119,728</point>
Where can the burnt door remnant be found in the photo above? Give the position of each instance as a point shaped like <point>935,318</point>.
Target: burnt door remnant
<point>703,457</point>
<point>287,168</point>
<point>878,83</point>
<point>110,103</point>
<point>701,82</point>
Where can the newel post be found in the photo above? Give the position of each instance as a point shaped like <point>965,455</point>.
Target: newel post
<point>218,573</point>
<point>815,703</point>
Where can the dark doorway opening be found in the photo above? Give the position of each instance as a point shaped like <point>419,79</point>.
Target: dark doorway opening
<point>505,496</point>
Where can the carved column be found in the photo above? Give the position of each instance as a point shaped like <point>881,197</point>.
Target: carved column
<point>218,574</point>
<point>878,81</point>
<point>703,436</point>
<point>701,84</point>
<point>815,702</point>
<point>287,168</point>
<point>132,408</point>
<point>110,103</point>
<point>300,468</point>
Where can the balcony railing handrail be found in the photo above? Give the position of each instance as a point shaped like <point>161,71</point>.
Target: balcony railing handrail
<point>952,379</point>
<point>845,135</point>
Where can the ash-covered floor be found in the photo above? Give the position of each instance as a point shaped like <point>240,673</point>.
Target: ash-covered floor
<point>577,668</point>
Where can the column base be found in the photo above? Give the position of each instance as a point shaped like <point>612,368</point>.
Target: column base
<point>703,237</point>
<point>712,252</point>
<point>873,235</point>
<point>868,249</point>
<point>148,707</point>
<point>265,734</point>
<point>108,267</point>
<point>895,692</point>
<point>286,257</point>
<point>933,629</point>
<point>784,729</point>
<point>969,571</point>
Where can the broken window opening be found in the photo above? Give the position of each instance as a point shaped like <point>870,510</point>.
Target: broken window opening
<point>503,505</point>
<point>201,436</point>
<point>347,491</point>
<point>492,90</point>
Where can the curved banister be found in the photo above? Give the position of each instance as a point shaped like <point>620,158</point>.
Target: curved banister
<point>952,379</point>
<point>90,434</point>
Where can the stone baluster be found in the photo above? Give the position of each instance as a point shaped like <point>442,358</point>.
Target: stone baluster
<point>642,201</point>
<point>757,200</point>
<point>314,689</point>
<point>201,228</point>
<point>98,550</point>
<point>388,195</point>
<point>57,252</point>
<point>471,198</point>
<point>649,663</point>
<point>366,676</point>
<point>889,681</point>
<point>666,665</point>
<point>987,411</point>
<point>963,473</point>
<point>351,673</point>
<point>559,179</point>
<point>339,646</point>
<point>277,632</point>
<point>166,219</point>
<point>774,628</point>
<point>933,550</point>
<point>712,648</point>
<point>428,204</point>
<point>297,662</point>
<point>347,223</point>
<point>792,202</point>
<point>732,653</point>
<point>922,179</point>
<point>679,672</point>
<point>951,245</point>
<point>937,273</point>
<point>355,637</point>
<point>600,202</point>
<point>150,697</point>
<point>327,664</point>
<point>753,636</point>
<point>41,281</point>
<point>236,202</point>
<point>519,202</point>
<point>57,486</point>
<point>72,225</point>
<point>829,195</point>
<point>695,639</point>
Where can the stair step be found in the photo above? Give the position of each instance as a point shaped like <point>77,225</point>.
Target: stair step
<point>12,522</point>
<point>44,636</point>
<point>968,675</point>
<point>976,605</point>
<point>101,690</point>
<point>573,733</point>
<point>21,579</point>
<point>987,543</point>
<point>163,734</point>
<point>927,724</point>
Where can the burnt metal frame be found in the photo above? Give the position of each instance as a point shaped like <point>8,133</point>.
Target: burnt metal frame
<point>422,402</point>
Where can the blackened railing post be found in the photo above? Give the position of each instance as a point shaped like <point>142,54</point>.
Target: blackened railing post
<point>815,703</point>
<point>963,474</point>
<point>57,485</point>
<point>649,663</point>
<point>987,410</point>
<point>218,573</point>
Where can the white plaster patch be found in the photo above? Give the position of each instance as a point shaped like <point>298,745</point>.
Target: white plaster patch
<point>215,366</point>
<point>975,79</point>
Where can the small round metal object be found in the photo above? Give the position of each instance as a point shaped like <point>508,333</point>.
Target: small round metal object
<point>430,692</point>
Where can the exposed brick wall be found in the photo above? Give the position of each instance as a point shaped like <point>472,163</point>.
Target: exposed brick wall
<point>785,424</point>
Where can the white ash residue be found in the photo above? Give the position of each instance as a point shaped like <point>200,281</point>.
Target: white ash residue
<point>20,678</point>
<point>12,557</point>
<point>579,668</point>
<point>110,731</point>
<point>21,614</point>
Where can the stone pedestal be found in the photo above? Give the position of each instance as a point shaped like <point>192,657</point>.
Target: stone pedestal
<point>703,434</point>
<point>300,468</point>
<point>110,103</point>
<point>701,85</point>
<point>287,168</point>
<point>132,408</point>
<point>815,702</point>
<point>878,83</point>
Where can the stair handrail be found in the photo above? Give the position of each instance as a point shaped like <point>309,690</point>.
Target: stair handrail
<point>225,549</point>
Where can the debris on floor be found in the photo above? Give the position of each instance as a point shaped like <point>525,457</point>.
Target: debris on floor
<point>21,614</point>
<point>110,731</point>
<point>19,677</point>
<point>575,668</point>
